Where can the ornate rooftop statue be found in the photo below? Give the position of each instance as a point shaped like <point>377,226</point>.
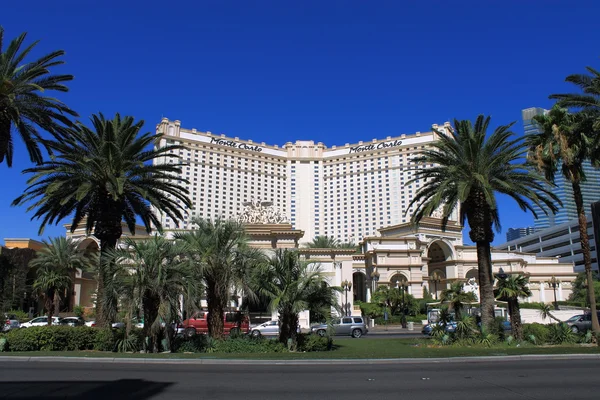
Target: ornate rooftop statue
<point>256,211</point>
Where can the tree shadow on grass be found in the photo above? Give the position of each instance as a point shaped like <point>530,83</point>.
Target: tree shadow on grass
<point>131,389</point>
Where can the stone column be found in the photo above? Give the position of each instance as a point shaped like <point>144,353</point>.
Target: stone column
<point>542,292</point>
<point>559,294</point>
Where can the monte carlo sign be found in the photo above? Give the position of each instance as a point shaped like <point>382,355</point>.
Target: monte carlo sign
<point>375,146</point>
<point>231,143</point>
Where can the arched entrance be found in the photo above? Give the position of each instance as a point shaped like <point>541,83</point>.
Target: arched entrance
<point>472,274</point>
<point>359,286</point>
<point>440,255</point>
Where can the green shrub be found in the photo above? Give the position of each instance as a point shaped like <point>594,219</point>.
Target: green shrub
<point>497,328</point>
<point>249,345</point>
<point>106,339</point>
<point>371,310</point>
<point>561,334</point>
<point>79,311</point>
<point>539,332</point>
<point>195,344</point>
<point>310,343</point>
<point>52,338</point>
<point>22,316</point>
<point>82,338</point>
<point>533,304</point>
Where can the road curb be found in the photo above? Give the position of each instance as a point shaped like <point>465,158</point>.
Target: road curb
<point>217,361</point>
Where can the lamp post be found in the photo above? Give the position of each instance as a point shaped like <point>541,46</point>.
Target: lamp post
<point>554,283</point>
<point>347,286</point>
<point>436,278</point>
<point>375,278</point>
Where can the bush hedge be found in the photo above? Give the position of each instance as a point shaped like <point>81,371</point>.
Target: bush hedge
<point>247,344</point>
<point>66,338</point>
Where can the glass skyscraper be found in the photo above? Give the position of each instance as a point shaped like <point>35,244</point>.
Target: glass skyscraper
<point>563,190</point>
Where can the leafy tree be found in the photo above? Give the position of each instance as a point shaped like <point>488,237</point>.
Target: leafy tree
<point>395,301</point>
<point>579,291</point>
<point>589,84</point>
<point>14,268</point>
<point>55,266</point>
<point>469,169</point>
<point>156,276</point>
<point>510,288</point>
<point>24,107</point>
<point>564,143</point>
<point>457,298</point>
<point>223,260</point>
<point>102,176</point>
<point>294,286</point>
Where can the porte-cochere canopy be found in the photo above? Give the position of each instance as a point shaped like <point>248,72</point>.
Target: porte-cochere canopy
<point>431,258</point>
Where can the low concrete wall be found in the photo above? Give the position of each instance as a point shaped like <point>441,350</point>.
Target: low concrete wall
<point>529,315</point>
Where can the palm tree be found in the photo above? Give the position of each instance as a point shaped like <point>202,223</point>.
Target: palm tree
<point>564,143</point>
<point>294,286</point>
<point>457,298</point>
<point>589,100</point>
<point>470,169</point>
<point>102,176</point>
<point>546,312</point>
<point>220,252</point>
<point>323,242</point>
<point>510,288</point>
<point>158,276</point>
<point>55,264</point>
<point>23,107</point>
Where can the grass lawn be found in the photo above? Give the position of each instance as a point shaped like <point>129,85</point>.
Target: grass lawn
<point>363,348</point>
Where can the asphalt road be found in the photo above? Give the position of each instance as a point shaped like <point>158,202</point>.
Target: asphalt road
<point>505,380</point>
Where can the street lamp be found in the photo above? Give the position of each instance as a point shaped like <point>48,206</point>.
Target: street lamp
<point>436,278</point>
<point>347,286</point>
<point>554,283</point>
<point>375,278</point>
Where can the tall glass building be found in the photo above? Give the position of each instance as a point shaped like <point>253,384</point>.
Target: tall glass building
<point>590,188</point>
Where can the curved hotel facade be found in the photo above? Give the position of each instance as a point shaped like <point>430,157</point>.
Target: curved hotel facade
<point>347,192</point>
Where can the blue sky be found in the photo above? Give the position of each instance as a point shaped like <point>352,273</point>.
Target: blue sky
<point>330,71</point>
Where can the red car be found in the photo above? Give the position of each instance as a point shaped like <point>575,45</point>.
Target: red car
<point>233,322</point>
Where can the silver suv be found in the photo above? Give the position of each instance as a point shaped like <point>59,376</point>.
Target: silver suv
<point>345,326</point>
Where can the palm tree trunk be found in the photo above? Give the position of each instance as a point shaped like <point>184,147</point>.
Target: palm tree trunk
<point>49,306</point>
<point>288,325</point>
<point>515,319</point>
<point>479,216</point>
<point>151,303</point>
<point>215,310</point>
<point>585,248</point>
<point>108,230</point>
<point>486,286</point>
<point>56,302</point>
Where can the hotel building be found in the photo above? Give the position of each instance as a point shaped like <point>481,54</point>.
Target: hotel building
<point>347,192</point>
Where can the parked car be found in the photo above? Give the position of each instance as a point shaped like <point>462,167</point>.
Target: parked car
<point>233,322</point>
<point>40,321</point>
<point>428,329</point>
<point>269,328</point>
<point>345,326</point>
<point>580,323</point>
<point>72,321</point>
<point>10,322</point>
